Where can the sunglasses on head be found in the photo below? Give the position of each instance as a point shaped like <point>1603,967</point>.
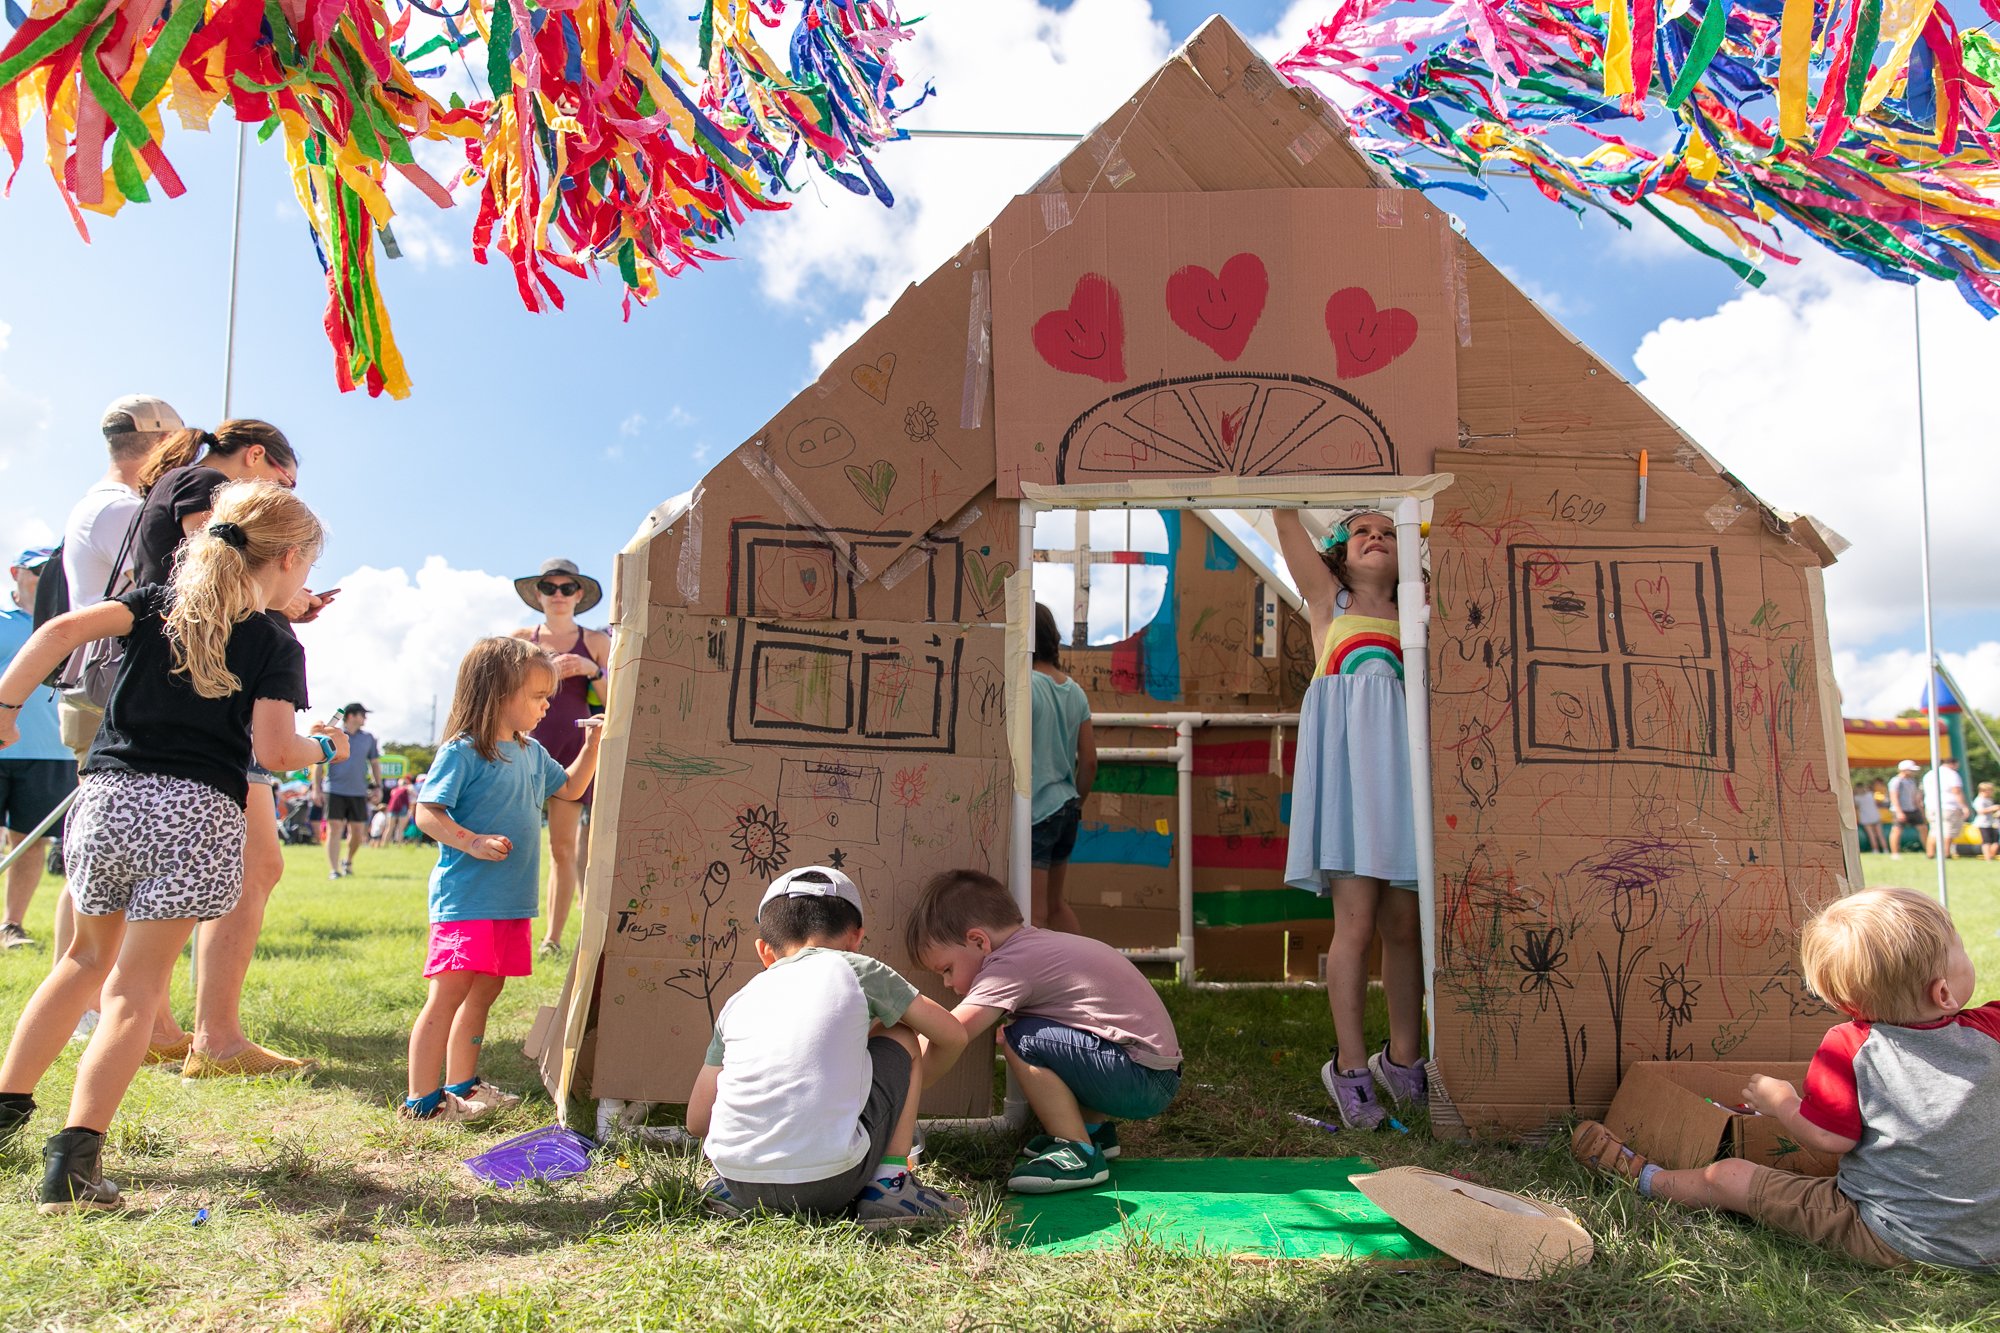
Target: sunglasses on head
<point>550,588</point>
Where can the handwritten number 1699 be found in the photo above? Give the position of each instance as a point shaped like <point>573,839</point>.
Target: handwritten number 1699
<point>1575,508</point>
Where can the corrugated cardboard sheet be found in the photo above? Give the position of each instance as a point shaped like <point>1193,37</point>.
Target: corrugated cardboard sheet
<point>1275,333</point>
<point>1666,1111</point>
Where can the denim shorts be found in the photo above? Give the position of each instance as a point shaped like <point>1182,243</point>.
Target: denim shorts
<point>1054,838</point>
<point>1100,1073</point>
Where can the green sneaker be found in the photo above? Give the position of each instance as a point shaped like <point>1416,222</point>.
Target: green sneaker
<point>1036,1146</point>
<point>1105,1139</point>
<point>1066,1166</point>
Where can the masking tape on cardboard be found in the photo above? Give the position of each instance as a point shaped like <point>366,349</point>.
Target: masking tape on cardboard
<point>1389,208</point>
<point>1456,290</point>
<point>800,510</point>
<point>1722,515</point>
<point>978,352</point>
<point>687,572</point>
<point>1112,168</point>
<point>1055,212</point>
<point>1309,144</point>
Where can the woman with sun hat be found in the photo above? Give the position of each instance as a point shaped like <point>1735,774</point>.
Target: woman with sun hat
<point>562,593</point>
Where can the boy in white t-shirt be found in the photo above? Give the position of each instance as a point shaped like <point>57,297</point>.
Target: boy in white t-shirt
<point>807,1101</point>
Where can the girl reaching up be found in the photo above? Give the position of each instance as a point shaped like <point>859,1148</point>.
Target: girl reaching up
<point>1353,831</point>
<point>483,801</point>
<point>155,840</point>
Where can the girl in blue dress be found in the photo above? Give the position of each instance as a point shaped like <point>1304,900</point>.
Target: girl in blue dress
<point>1353,831</point>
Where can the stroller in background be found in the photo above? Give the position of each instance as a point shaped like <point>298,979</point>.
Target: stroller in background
<point>297,825</point>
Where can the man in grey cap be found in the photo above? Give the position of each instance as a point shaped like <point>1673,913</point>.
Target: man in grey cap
<point>96,528</point>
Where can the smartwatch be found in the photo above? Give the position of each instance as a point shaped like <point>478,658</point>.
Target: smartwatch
<point>325,748</point>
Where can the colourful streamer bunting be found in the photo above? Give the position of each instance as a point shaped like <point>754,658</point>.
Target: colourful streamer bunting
<point>592,144</point>
<point>1867,125</point>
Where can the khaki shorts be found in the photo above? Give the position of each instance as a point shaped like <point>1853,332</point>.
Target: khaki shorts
<point>1813,1208</point>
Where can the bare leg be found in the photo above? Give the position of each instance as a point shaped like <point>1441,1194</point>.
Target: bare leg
<point>1061,915</point>
<point>1896,842</point>
<point>132,995</point>
<point>565,817</point>
<point>51,1012</point>
<point>1402,973</point>
<point>428,1036</point>
<point>335,830</point>
<point>228,942</point>
<point>1052,1101</point>
<point>357,833</point>
<point>468,1027</point>
<point>24,876</point>
<point>1354,903</point>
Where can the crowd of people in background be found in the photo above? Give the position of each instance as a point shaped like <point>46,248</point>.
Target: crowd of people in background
<point>1929,804</point>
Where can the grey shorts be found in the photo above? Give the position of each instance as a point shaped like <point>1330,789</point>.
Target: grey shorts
<point>155,848</point>
<point>888,1090</point>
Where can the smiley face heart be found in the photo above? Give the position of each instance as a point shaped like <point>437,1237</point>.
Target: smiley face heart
<point>1086,337</point>
<point>1366,339</point>
<point>1219,310</point>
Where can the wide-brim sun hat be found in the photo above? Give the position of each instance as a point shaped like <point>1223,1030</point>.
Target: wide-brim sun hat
<point>593,592</point>
<point>1491,1230</point>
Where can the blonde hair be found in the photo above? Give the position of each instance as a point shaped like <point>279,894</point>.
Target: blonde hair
<point>1874,954</point>
<point>494,671</point>
<point>191,445</point>
<point>253,524</point>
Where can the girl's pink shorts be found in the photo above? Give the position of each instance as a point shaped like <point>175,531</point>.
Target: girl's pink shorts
<point>497,948</point>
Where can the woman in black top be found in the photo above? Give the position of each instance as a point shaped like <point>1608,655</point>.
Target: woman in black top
<point>155,841</point>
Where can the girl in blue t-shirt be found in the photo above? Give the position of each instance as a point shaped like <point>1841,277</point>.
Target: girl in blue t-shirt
<point>1065,765</point>
<point>482,800</point>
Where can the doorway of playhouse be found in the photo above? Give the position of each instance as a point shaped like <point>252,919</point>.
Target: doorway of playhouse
<point>1099,550</point>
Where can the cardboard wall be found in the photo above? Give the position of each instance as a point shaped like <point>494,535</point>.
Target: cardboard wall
<point>1634,809</point>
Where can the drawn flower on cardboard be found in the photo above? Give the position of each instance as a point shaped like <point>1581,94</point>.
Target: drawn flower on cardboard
<point>762,838</point>
<point>920,423</point>
<point>1675,994</point>
<point>1539,956</point>
<point>1629,875</point>
<point>910,786</point>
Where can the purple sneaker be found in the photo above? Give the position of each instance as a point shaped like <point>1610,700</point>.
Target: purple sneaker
<point>1353,1096</point>
<point>1407,1085</point>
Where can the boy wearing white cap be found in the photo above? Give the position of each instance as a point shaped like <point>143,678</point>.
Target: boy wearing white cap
<point>807,1100</point>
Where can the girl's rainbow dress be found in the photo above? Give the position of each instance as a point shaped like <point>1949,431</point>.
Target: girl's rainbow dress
<point>1351,812</point>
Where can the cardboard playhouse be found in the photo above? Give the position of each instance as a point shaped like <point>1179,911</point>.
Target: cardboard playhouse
<point>1638,785</point>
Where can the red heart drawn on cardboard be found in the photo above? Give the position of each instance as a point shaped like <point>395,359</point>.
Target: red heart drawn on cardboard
<point>1451,821</point>
<point>1086,337</point>
<point>1219,311</point>
<point>1366,339</point>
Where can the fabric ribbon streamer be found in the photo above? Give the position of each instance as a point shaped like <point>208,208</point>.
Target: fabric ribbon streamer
<point>1868,125</point>
<point>592,143</point>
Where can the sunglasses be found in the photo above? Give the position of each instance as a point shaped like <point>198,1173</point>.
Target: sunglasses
<point>550,588</point>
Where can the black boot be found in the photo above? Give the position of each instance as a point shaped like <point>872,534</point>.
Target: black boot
<point>75,1177</point>
<point>15,1110</point>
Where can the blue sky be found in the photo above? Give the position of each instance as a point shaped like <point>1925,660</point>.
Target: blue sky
<point>531,435</point>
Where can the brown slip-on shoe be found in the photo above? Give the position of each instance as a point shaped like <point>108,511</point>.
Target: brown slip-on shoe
<point>1593,1145</point>
<point>171,1054</point>
<point>253,1063</point>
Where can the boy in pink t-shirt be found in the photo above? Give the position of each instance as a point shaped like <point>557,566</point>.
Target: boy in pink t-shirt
<point>1086,1034</point>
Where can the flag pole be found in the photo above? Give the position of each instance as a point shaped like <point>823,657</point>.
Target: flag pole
<point>1939,824</point>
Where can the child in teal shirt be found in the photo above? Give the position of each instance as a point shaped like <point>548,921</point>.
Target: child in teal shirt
<point>1065,754</point>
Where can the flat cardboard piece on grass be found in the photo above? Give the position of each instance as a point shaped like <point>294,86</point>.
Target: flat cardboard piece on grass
<point>1661,1112</point>
<point>1279,333</point>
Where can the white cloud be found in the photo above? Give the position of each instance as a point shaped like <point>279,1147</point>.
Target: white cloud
<point>1805,390</point>
<point>25,419</point>
<point>394,641</point>
<point>1004,65</point>
<point>1885,684</point>
<point>632,425</point>
<point>6,331</point>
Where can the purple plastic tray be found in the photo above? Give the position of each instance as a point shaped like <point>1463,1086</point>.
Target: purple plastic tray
<point>550,1153</point>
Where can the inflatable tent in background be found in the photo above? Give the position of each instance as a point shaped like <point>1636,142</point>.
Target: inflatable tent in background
<point>1636,777</point>
<point>1884,742</point>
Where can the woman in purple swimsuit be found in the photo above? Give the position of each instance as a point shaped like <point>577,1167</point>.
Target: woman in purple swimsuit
<point>561,594</point>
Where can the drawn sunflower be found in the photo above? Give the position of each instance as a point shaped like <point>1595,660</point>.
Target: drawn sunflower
<point>920,423</point>
<point>1675,994</point>
<point>762,838</point>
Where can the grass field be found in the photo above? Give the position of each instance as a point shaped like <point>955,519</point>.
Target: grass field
<point>325,1211</point>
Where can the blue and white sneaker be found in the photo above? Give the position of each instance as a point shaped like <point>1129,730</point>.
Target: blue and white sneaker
<point>901,1202</point>
<point>715,1196</point>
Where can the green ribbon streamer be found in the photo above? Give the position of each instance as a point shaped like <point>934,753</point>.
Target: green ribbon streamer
<point>61,34</point>
<point>499,52</point>
<point>1707,41</point>
<point>1867,34</point>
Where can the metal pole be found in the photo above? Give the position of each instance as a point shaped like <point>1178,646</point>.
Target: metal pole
<point>1930,631</point>
<point>235,257</point>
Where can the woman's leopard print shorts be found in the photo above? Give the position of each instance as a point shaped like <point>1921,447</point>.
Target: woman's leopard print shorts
<point>155,848</point>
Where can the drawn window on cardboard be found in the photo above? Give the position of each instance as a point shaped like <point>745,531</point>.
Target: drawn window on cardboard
<point>1105,573</point>
<point>780,570</point>
<point>1619,655</point>
<point>813,686</point>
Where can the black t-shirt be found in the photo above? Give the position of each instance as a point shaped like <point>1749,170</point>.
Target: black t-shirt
<point>156,723</point>
<point>183,491</point>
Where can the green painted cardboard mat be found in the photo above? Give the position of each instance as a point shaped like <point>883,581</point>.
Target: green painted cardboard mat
<point>1274,1207</point>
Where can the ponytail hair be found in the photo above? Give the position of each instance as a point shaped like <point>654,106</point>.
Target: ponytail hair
<point>494,671</point>
<point>182,448</point>
<point>253,524</point>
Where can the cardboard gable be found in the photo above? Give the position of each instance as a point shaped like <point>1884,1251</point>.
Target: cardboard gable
<point>1271,333</point>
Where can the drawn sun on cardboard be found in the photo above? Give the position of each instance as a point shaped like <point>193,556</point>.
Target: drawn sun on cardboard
<point>1318,344</point>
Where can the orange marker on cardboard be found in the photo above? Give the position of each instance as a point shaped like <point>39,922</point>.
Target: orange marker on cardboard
<point>1642,485</point>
